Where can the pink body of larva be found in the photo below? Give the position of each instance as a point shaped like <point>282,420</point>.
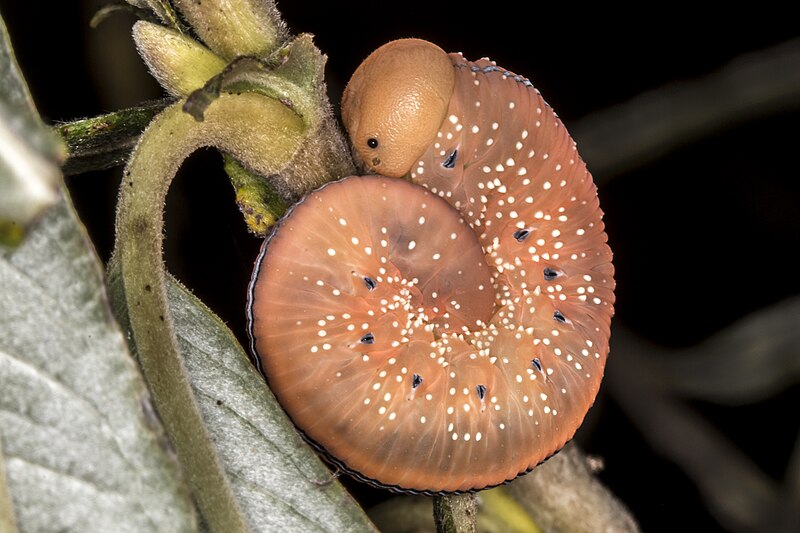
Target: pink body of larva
<point>448,337</point>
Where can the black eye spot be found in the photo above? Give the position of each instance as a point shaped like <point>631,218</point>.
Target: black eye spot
<point>369,338</point>
<point>372,142</point>
<point>370,283</point>
<point>550,274</point>
<point>416,381</point>
<point>558,316</point>
<point>537,364</point>
<point>481,391</point>
<point>522,234</point>
<point>450,162</point>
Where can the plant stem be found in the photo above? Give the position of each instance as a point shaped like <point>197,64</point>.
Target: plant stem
<point>257,130</point>
<point>455,513</point>
<point>106,141</point>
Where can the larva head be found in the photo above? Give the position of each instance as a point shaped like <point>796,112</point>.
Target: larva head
<point>395,103</point>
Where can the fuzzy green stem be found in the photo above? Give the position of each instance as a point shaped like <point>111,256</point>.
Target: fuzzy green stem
<point>455,513</point>
<point>263,134</point>
<point>7,522</point>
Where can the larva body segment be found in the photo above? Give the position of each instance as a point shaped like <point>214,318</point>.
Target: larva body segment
<point>450,335</point>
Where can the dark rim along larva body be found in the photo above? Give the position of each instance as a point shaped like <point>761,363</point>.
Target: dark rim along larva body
<point>447,339</point>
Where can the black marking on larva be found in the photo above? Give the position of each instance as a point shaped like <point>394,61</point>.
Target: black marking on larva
<point>416,381</point>
<point>369,338</point>
<point>522,234</point>
<point>559,317</point>
<point>372,142</point>
<point>481,391</point>
<point>450,162</point>
<point>370,283</point>
<point>537,364</point>
<point>550,274</point>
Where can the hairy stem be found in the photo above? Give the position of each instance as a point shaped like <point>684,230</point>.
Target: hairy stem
<point>562,494</point>
<point>262,133</point>
<point>107,140</point>
<point>455,513</point>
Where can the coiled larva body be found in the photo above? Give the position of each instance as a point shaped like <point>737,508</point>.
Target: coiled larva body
<point>447,337</point>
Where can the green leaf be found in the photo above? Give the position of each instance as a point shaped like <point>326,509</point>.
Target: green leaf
<point>279,482</point>
<point>29,152</point>
<point>83,449</point>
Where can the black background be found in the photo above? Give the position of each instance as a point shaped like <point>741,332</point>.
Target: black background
<point>702,236</point>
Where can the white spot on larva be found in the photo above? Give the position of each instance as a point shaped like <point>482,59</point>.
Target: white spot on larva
<point>368,250</point>
<point>412,245</point>
<point>421,220</point>
<point>382,410</point>
<point>453,119</point>
<point>331,252</point>
<point>422,420</point>
<point>436,256</point>
<point>475,129</point>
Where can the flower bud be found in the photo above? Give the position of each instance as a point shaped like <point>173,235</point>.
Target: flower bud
<point>180,64</point>
<point>233,28</point>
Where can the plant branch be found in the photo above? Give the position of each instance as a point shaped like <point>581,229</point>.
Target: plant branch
<point>711,460</point>
<point>106,141</point>
<point>635,133</point>
<point>455,513</point>
<point>257,130</point>
<point>751,360</point>
<point>562,494</point>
